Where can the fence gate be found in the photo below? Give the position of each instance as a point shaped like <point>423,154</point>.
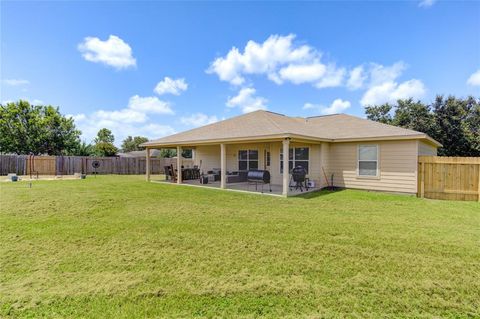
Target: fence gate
<point>451,178</point>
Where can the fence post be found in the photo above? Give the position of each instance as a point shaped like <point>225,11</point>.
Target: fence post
<point>422,181</point>
<point>479,183</point>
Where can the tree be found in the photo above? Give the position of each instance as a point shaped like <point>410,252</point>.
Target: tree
<point>453,122</point>
<point>83,149</point>
<point>456,126</point>
<point>169,153</point>
<point>414,116</point>
<point>39,129</point>
<point>105,136</point>
<point>379,113</point>
<point>104,143</point>
<point>133,143</point>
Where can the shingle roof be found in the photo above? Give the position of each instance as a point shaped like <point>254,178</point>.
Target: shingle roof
<point>258,124</point>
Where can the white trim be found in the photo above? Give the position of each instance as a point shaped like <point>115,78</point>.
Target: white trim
<point>248,160</point>
<point>293,160</point>
<point>377,175</point>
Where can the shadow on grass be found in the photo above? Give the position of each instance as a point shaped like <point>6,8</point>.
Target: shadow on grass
<point>319,193</point>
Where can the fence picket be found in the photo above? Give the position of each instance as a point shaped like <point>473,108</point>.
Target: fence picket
<point>69,165</point>
<point>449,177</point>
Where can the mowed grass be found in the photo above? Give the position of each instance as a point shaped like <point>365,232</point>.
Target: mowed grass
<point>118,247</point>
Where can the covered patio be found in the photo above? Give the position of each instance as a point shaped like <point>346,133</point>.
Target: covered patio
<point>276,190</point>
<point>228,165</point>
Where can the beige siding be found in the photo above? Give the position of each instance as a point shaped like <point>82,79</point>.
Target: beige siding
<point>314,164</point>
<point>207,157</point>
<point>426,149</point>
<point>210,158</point>
<point>324,164</point>
<point>397,165</point>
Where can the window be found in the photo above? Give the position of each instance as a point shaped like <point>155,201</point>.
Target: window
<point>368,160</point>
<point>298,156</point>
<point>267,158</point>
<point>247,160</point>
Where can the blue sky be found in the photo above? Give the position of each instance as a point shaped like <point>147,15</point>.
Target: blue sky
<point>155,68</point>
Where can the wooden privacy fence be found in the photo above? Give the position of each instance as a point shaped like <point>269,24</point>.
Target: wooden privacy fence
<point>69,165</point>
<point>451,178</point>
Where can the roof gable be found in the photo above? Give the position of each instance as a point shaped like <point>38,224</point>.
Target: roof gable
<point>266,124</point>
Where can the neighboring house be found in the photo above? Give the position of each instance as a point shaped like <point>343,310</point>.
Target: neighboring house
<point>153,153</point>
<point>359,153</point>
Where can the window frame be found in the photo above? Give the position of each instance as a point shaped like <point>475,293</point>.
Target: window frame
<point>377,161</point>
<point>248,160</point>
<point>291,158</point>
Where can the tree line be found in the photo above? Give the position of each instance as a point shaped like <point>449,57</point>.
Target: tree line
<point>42,129</point>
<point>452,121</point>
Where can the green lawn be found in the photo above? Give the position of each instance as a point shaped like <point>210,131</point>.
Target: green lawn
<point>118,247</point>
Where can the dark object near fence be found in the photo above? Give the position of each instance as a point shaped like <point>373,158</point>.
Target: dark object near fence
<point>95,165</point>
<point>299,176</point>
<point>261,177</point>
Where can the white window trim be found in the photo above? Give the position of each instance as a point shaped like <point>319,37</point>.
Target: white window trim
<point>248,160</point>
<point>281,153</point>
<point>377,175</point>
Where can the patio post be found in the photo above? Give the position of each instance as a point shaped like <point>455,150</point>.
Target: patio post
<point>179,164</point>
<point>147,165</point>
<point>286,146</point>
<point>223,166</point>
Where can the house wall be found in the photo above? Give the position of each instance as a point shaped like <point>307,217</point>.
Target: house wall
<point>426,149</point>
<point>210,158</point>
<point>207,157</point>
<point>397,165</point>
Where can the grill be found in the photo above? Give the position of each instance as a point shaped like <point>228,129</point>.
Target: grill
<point>261,177</point>
<point>299,174</point>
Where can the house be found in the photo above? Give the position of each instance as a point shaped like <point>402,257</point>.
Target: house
<point>350,151</point>
<point>142,154</point>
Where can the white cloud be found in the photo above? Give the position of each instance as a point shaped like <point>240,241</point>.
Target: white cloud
<point>426,3</point>
<point>383,86</point>
<point>474,79</point>
<point>333,77</point>
<point>247,101</point>
<point>36,102</point>
<point>337,106</point>
<point>132,120</point>
<point>357,78</point>
<point>149,104</point>
<point>198,119</point>
<point>113,52</point>
<point>310,106</point>
<point>280,60</point>
<point>91,124</point>
<point>77,117</point>
<point>298,74</point>
<point>16,82</point>
<point>380,74</point>
<point>168,85</point>
<point>390,92</point>
<point>123,115</point>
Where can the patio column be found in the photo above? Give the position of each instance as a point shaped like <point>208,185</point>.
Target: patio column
<point>286,175</point>
<point>223,166</point>
<point>147,165</point>
<point>179,164</point>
